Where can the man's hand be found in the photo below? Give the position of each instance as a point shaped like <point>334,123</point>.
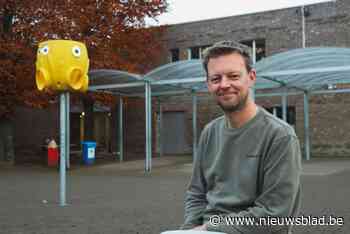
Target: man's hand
<point>201,227</point>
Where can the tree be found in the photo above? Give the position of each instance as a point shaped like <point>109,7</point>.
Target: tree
<point>113,31</point>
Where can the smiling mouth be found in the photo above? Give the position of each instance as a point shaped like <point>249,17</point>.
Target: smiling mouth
<point>227,94</point>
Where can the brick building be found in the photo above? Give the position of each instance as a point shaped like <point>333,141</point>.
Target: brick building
<point>326,25</point>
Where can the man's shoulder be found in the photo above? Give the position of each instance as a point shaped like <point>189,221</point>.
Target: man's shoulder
<point>277,126</point>
<point>215,123</point>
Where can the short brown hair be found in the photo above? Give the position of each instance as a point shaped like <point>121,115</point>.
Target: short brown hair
<point>224,48</point>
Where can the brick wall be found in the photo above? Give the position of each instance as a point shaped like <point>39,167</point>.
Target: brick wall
<point>31,127</point>
<point>327,24</point>
<point>280,28</point>
<point>135,128</point>
<point>329,130</point>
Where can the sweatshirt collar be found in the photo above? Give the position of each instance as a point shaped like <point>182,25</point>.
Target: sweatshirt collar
<point>228,125</point>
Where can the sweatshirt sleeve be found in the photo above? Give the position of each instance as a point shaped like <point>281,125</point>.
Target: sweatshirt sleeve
<point>280,191</point>
<point>195,200</point>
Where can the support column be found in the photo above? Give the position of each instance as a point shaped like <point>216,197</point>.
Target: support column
<point>194,123</point>
<point>148,110</point>
<point>284,106</point>
<point>254,52</point>
<point>306,126</point>
<point>160,129</point>
<point>120,130</point>
<point>68,130</point>
<point>63,146</point>
<point>303,36</point>
<point>274,111</point>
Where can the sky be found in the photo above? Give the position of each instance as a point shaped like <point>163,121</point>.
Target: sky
<point>181,11</point>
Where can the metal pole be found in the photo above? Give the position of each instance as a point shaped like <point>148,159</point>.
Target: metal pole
<point>254,52</point>
<point>189,54</point>
<point>67,130</point>
<point>284,106</point>
<point>160,129</point>
<point>63,149</point>
<point>306,126</point>
<point>149,127</point>
<point>120,130</point>
<point>148,163</point>
<point>274,111</point>
<point>303,26</point>
<point>194,123</point>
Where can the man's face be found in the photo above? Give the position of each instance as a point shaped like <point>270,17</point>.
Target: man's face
<point>229,81</point>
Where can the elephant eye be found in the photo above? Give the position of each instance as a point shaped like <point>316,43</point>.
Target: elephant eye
<point>44,50</point>
<point>76,51</point>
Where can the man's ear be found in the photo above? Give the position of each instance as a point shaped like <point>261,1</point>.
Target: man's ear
<point>252,78</point>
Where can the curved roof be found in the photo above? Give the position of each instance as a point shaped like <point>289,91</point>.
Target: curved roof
<point>178,70</point>
<point>125,83</point>
<point>306,69</point>
<point>110,76</point>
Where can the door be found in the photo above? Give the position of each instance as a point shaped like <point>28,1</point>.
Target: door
<point>173,133</point>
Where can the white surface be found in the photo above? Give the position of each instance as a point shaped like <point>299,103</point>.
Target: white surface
<point>190,232</point>
<point>91,153</point>
<point>181,11</point>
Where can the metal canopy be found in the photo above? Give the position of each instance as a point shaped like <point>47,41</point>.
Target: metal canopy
<point>306,70</point>
<point>104,79</point>
<point>129,84</point>
<point>106,76</point>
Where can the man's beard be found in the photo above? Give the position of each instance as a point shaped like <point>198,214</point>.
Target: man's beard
<point>235,107</point>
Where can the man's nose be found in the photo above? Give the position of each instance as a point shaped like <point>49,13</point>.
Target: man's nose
<point>225,83</point>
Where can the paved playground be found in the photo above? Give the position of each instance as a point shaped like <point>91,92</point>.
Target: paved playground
<point>120,198</point>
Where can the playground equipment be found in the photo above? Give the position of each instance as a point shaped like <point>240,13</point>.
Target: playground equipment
<point>62,66</point>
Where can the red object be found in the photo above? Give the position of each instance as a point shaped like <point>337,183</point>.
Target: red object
<point>52,157</point>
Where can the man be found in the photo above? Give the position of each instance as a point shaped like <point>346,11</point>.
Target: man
<point>248,162</point>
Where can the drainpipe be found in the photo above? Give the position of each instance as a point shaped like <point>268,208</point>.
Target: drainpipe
<point>303,26</point>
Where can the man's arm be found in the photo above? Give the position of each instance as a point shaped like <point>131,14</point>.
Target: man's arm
<point>280,189</point>
<point>195,201</point>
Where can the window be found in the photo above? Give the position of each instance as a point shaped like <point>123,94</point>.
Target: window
<point>175,55</point>
<point>260,47</point>
<point>277,111</point>
<point>196,52</point>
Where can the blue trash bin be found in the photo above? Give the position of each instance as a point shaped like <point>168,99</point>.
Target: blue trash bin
<point>89,152</point>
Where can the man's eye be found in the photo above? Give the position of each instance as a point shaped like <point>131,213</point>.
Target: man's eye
<point>215,80</point>
<point>233,76</point>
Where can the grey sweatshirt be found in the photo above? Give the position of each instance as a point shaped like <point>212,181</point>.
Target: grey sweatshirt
<point>252,171</point>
